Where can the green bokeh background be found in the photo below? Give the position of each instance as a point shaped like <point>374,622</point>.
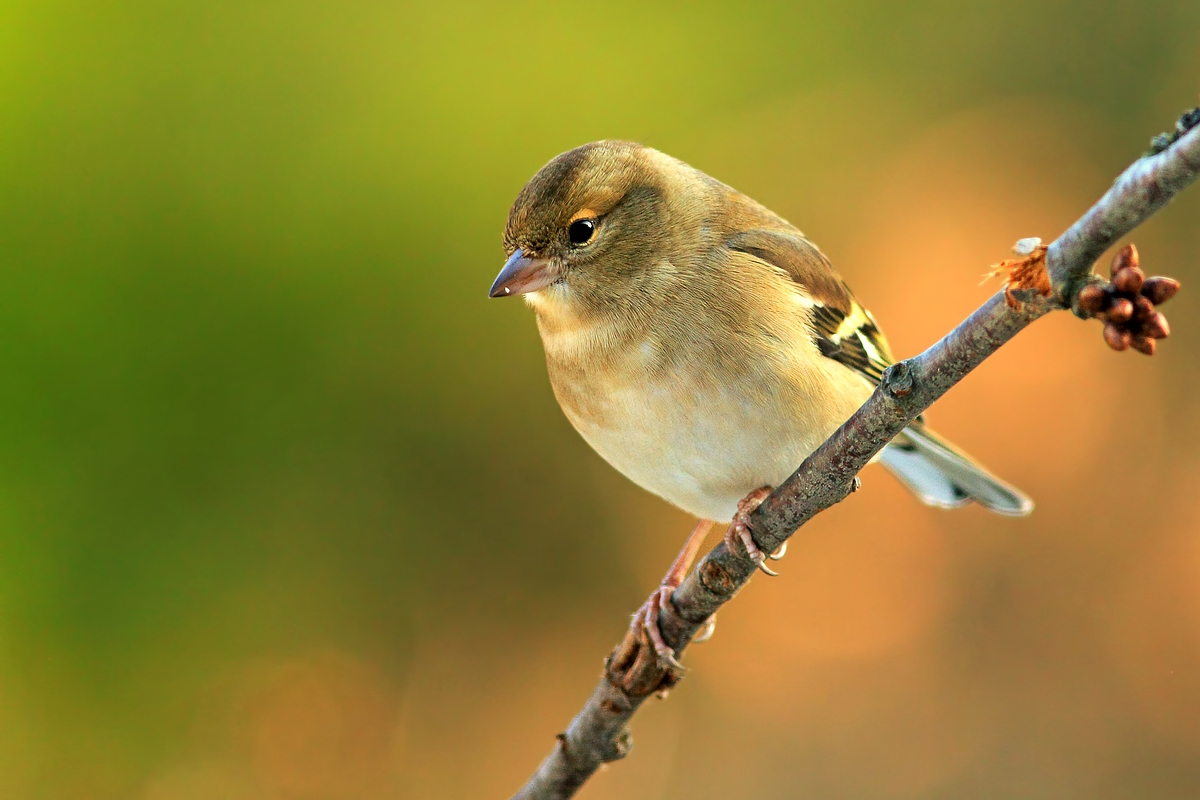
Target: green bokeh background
<point>258,420</point>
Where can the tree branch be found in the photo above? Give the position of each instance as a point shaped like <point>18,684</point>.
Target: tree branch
<point>598,734</point>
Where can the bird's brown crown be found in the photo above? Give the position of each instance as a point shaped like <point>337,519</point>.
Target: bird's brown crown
<point>586,182</point>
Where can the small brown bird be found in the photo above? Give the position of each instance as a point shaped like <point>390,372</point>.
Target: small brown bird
<point>699,342</point>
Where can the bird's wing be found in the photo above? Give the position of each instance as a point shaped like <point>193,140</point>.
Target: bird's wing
<point>842,328</point>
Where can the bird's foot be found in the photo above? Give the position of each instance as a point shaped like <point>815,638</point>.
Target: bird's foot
<point>644,628</point>
<point>645,624</point>
<point>739,532</point>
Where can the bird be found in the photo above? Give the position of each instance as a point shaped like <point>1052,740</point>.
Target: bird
<point>702,344</point>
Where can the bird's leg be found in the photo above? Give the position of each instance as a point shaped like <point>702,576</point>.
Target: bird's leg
<point>739,531</point>
<point>645,621</point>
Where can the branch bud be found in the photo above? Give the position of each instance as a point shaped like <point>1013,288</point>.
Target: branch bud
<point>1117,338</point>
<point>1129,280</point>
<point>1093,298</point>
<point>1120,312</point>
<point>1157,327</point>
<point>1160,289</point>
<point>1143,309</point>
<point>1125,258</point>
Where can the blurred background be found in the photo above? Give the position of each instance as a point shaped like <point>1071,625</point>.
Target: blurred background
<point>287,508</point>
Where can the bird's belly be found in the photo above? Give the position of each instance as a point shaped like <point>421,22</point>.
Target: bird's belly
<point>704,447</point>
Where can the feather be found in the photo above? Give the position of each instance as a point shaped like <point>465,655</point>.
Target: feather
<point>943,476</point>
<point>844,331</point>
<point>842,328</point>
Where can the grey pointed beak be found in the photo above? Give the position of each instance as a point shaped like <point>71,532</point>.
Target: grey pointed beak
<point>522,274</point>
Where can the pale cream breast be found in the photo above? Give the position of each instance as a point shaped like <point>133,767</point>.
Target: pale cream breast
<point>700,402</point>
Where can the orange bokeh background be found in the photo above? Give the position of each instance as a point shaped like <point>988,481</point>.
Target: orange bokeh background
<point>290,512</point>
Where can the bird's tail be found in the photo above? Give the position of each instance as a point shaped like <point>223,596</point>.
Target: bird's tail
<point>941,475</point>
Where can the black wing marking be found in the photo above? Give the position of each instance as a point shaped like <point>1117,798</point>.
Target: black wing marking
<point>842,328</point>
<point>852,339</point>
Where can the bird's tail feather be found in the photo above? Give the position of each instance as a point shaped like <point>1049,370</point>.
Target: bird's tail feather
<point>941,475</point>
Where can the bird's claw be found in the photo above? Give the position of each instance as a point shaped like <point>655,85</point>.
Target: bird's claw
<point>739,532</point>
<point>647,620</point>
<point>706,633</point>
<point>761,563</point>
<point>644,630</point>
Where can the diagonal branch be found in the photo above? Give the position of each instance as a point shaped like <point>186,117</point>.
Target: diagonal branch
<point>598,734</point>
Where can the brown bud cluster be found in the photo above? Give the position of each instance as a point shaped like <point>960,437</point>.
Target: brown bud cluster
<point>1127,304</point>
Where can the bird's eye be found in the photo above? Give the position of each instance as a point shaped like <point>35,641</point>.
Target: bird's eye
<point>581,230</point>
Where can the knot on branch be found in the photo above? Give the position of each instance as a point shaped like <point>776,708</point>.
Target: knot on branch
<point>1187,121</point>
<point>635,669</point>
<point>1025,273</point>
<point>1127,304</point>
<point>717,579</point>
<point>897,380</point>
<point>621,746</point>
<point>613,750</point>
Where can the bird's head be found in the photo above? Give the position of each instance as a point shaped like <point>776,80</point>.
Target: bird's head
<point>594,225</point>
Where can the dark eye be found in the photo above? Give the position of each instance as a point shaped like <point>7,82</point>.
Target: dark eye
<point>581,230</point>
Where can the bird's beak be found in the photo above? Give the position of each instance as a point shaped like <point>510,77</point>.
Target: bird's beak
<point>522,274</point>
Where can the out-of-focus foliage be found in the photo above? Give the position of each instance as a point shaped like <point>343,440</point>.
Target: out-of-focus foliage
<point>287,509</point>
